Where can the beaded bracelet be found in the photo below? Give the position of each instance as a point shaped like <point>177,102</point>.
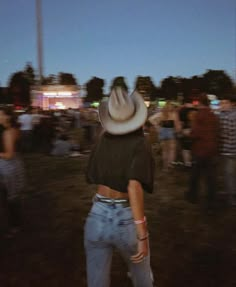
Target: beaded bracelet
<point>140,221</point>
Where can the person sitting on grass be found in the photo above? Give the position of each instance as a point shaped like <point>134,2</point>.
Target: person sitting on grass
<point>61,146</point>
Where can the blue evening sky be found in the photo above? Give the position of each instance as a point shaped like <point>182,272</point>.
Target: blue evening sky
<point>109,38</point>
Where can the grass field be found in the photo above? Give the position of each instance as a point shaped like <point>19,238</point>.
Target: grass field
<point>189,247</point>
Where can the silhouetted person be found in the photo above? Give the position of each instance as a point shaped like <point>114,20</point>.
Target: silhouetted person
<point>26,126</point>
<point>204,134</point>
<point>11,169</point>
<point>228,147</point>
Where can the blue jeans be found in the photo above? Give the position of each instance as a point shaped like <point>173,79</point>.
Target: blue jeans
<point>166,133</point>
<point>108,227</point>
<point>203,167</point>
<point>229,173</point>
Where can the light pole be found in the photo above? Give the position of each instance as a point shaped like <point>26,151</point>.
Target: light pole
<point>39,40</point>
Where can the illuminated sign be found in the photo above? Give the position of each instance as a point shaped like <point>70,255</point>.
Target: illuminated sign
<point>59,94</point>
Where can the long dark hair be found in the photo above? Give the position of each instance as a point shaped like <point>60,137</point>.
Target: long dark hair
<point>12,116</point>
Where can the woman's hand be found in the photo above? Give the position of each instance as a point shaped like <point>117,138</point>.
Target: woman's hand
<point>135,192</point>
<point>142,251</point>
<point>186,132</point>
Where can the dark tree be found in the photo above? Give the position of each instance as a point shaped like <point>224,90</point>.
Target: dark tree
<point>146,87</point>
<point>50,80</point>
<point>94,89</point>
<point>29,73</point>
<point>19,89</point>
<point>4,98</point>
<point>186,88</point>
<point>119,82</point>
<point>155,93</point>
<point>217,82</point>
<point>66,79</point>
<point>197,82</point>
<point>170,87</point>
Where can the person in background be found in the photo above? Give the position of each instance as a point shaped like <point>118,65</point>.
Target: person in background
<point>204,134</point>
<point>36,121</point>
<point>61,146</point>
<point>26,126</point>
<point>121,165</point>
<point>11,169</point>
<point>168,125</point>
<point>186,113</point>
<point>77,123</point>
<point>227,119</point>
<point>47,132</point>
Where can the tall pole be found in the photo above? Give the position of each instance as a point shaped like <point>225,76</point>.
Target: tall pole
<point>235,46</point>
<point>39,40</point>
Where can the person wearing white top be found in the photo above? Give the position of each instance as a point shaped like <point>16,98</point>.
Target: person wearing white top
<point>26,126</point>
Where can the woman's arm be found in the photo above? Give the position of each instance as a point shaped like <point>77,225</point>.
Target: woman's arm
<point>177,122</point>
<point>135,192</point>
<point>8,144</point>
<point>155,119</point>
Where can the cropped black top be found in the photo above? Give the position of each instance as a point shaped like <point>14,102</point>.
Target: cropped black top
<point>167,124</point>
<point>117,159</point>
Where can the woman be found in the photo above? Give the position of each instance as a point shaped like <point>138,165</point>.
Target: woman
<point>168,125</point>
<point>121,165</point>
<point>11,169</point>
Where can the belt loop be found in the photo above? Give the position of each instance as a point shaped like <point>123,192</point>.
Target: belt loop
<point>112,201</point>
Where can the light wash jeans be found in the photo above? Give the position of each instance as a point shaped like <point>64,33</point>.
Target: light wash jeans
<point>229,173</point>
<point>108,227</point>
<point>166,133</point>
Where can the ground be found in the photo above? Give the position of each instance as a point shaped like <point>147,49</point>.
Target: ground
<point>189,246</point>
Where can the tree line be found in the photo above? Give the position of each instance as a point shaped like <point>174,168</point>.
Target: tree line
<point>215,82</point>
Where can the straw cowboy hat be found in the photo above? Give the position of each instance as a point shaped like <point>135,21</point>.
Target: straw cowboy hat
<point>122,113</point>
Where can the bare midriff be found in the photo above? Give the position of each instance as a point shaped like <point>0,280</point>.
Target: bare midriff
<point>111,193</point>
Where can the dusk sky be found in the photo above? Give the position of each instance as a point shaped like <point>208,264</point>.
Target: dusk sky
<point>109,38</point>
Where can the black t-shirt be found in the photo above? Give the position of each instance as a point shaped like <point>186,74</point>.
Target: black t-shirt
<point>184,116</point>
<point>116,159</point>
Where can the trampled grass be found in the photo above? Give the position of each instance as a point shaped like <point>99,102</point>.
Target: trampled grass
<point>189,247</point>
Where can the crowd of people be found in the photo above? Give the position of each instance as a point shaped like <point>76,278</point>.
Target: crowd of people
<point>203,141</point>
<point>53,132</point>
<point>121,164</point>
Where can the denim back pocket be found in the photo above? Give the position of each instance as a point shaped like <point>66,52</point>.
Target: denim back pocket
<point>96,223</point>
<point>127,233</point>
<point>95,227</point>
<point>125,217</point>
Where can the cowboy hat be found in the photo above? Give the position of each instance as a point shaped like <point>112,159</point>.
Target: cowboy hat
<point>121,113</point>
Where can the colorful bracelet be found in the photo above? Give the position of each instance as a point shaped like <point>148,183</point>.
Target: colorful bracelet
<point>140,221</point>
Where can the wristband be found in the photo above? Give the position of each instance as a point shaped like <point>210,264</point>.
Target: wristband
<point>140,221</point>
